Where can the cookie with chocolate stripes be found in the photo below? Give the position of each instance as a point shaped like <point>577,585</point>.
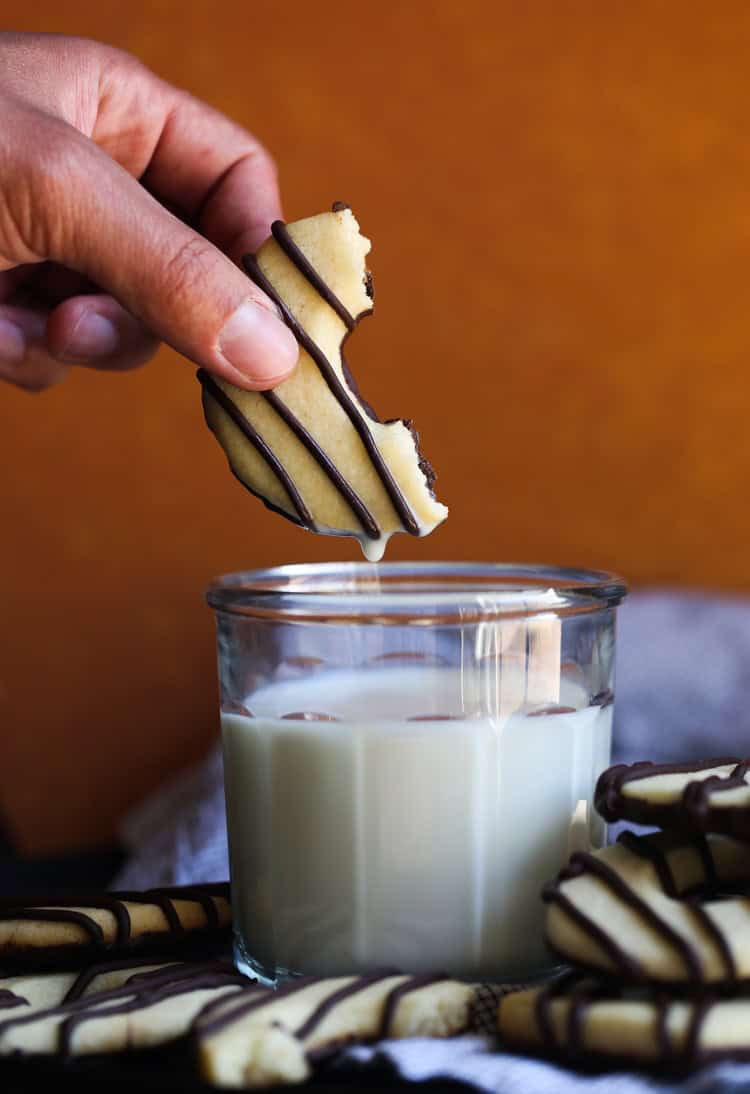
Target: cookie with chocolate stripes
<point>49,933</point>
<point>152,1007</point>
<point>703,796</point>
<point>655,909</point>
<point>39,990</point>
<point>588,1022</point>
<point>265,1037</point>
<point>312,449</point>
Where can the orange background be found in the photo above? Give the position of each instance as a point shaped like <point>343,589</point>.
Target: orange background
<point>559,199</point>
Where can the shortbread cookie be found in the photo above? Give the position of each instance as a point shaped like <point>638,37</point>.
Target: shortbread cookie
<point>153,1008</point>
<point>587,1021</point>
<point>706,796</point>
<point>267,1037</point>
<point>646,908</point>
<point>52,933</point>
<point>312,449</point>
<point>39,990</point>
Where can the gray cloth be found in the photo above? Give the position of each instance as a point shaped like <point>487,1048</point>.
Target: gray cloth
<point>683,666</point>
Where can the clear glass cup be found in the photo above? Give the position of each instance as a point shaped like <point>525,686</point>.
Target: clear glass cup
<point>410,752</point>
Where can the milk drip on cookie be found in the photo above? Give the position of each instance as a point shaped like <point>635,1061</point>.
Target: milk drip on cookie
<point>312,449</point>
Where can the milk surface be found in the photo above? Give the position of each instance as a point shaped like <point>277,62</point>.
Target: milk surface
<point>378,840</point>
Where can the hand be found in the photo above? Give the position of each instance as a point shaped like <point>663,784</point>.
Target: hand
<point>94,268</point>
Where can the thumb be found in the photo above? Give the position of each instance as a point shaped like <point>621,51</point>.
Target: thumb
<point>89,214</point>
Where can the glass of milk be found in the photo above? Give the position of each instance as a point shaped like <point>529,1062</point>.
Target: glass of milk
<point>410,752</point>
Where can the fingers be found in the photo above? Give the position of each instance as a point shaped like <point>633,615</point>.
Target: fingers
<point>37,348</point>
<point>73,204</point>
<point>24,360</point>
<point>98,332</point>
<point>230,188</point>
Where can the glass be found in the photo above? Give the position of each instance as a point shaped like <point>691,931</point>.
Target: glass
<point>410,752</point>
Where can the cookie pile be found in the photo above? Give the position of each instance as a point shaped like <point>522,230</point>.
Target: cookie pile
<point>117,972</point>
<point>657,927</point>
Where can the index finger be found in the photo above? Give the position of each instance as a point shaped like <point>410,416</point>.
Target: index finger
<point>199,161</point>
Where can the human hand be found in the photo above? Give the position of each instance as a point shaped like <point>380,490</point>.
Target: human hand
<point>94,269</point>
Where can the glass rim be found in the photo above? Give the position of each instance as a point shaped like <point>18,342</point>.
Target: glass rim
<point>422,593</point>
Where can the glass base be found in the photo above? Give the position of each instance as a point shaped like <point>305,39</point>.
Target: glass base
<point>251,967</point>
<point>275,977</point>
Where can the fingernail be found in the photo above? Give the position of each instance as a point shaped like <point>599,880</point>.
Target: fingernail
<point>258,344</point>
<point>92,337</point>
<point>12,342</point>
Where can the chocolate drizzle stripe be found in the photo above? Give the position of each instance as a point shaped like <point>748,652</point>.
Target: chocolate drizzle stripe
<point>339,392</point>
<point>643,848</point>
<point>628,966</point>
<point>209,1026</point>
<point>274,463</point>
<point>647,849</point>
<point>87,976</point>
<point>584,862</point>
<point>133,994</point>
<point>581,1000</point>
<point>164,973</point>
<point>661,1023</point>
<point>701,1009</point>
<point>360,983</point>
<point>397,993</point>
<point>611,782</point>
<point>9,999</point>
<point>58,915</point>
<point>301,261</point>
<point>326,464</point>
<point>543,1005</point>
<point>139,999</point>
<point>204,897</point>
<point>696,797</point>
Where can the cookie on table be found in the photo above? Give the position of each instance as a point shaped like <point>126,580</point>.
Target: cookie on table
<point>587,1021</point>
<point>652,909</point>
<point>312,449</point>
<point>265,1037</point>
<point>704,796</point>
<point>153,1007</point>
<point>40,990</point>
<point>51,933</point>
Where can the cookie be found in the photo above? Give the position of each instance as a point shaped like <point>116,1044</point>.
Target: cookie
<point>155,1007</point>
<point>312,449</point>
<point>267,1037</point>
<point>48,933</point>
<point>587,1021</point>
<point>649,909</point>
<point>707,796</point>
<point>37,991</point>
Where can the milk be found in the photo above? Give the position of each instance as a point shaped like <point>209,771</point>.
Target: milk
<point>395,836</point>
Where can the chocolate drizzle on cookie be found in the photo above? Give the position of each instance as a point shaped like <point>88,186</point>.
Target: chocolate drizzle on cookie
<point>222,1014</point>
<point>327,371</point>
<point>76,910</point>
<point>655,850</point>
<point>9,999</point>
<point>304,516</point>
<point>153,988</point>
<point>578,995</point>
<point>691,808</point>
<point>656,854</point>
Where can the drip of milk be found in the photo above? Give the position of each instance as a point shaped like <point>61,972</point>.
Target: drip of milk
<point>375,840</point>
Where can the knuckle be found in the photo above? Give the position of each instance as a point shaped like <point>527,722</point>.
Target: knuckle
<point>40,194</point>
<point>187,269</point>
